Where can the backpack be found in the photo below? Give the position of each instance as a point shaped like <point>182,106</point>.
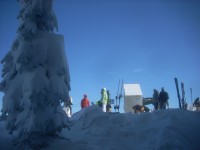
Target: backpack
<point>99,103</point>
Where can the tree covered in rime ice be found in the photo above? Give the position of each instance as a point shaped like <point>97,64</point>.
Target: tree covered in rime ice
<point>35,76</point>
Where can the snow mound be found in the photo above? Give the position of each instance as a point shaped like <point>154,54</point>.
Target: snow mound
<point>91,128</point>
<point>164,129</point>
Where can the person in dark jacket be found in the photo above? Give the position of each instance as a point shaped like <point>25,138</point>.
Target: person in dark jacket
<point>85,102</point>
<point>197,104</point>
<point>163,99</point>
<point>108,106</point>
<point>155,98</point>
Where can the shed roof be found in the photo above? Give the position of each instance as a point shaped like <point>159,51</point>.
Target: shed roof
<point>132,89</point>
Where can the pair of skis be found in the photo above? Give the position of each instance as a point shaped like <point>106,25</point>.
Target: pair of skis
<point>118,96</point>
<point>182,101</point>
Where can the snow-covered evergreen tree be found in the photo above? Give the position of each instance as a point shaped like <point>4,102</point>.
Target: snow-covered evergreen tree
<point>35,76</point>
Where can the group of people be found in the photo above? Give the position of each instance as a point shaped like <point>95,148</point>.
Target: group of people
<point>160,102</point>
<point>104,102</point>
<point>160,99</point>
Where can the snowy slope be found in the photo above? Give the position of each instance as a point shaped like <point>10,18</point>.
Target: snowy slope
<point>92,129</point>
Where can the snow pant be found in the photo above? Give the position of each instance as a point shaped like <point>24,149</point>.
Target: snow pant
<point>108,108</point>
<point>104,107</point>
<point>156,105</point>
<point>163,105</point>
<point>67,111</point>
<point>70,107</point>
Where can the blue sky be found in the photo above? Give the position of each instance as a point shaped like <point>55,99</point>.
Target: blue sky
<point>140,41</point>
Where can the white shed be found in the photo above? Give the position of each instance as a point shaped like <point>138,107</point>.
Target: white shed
<point>132,97</point>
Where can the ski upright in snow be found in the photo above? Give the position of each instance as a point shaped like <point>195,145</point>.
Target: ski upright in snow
<point>118,96</point>
<point>183,100</point>
<point>178,94</point>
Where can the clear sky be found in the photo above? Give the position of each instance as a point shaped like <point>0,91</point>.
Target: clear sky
<point>148,42</point>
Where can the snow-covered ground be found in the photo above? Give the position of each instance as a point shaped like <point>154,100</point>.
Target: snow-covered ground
<point>92,129</point>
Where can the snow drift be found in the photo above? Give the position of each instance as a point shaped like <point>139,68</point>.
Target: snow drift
<point>93,129</point>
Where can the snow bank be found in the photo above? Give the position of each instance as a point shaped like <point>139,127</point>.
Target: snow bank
<point>164,129</point>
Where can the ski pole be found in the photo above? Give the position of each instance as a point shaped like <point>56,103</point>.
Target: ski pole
<point>177,89</point>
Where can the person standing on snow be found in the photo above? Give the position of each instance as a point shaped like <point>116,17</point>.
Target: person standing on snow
<point>155,98</point>
<point>104,99</point>
<point>163,99</point>
<point>85,102</point>
<point>197,104</point>
<point>68,107</point>
<point>108,106</point>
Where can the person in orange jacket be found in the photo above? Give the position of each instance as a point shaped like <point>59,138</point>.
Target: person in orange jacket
<point>85,102</point>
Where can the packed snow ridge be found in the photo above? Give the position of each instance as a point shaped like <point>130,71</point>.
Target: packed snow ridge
<point>91,128</point>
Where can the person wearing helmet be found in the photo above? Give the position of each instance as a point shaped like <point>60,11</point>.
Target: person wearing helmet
<point>104,99</point>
